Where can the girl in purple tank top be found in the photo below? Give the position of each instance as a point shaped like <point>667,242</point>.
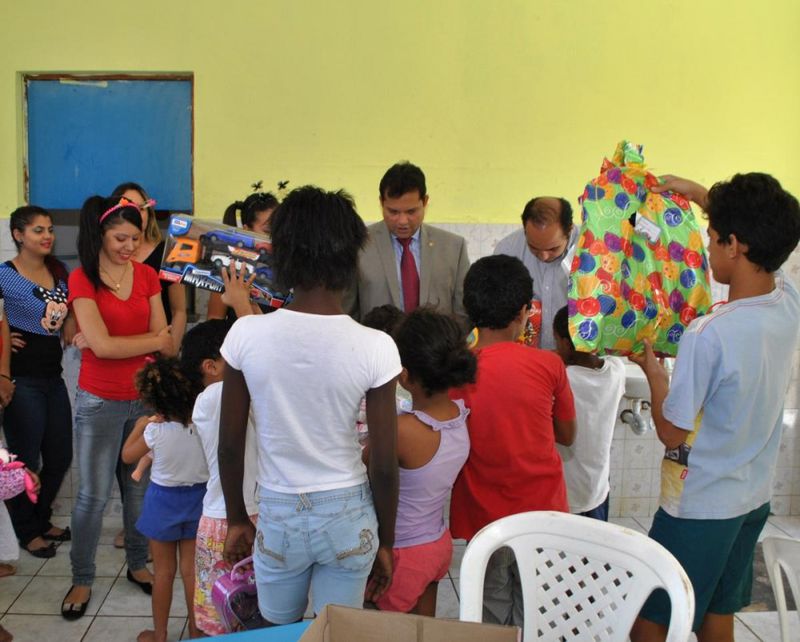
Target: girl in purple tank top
<point>432,446</point>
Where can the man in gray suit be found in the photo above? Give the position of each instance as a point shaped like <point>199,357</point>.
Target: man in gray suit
<point>404,262</point>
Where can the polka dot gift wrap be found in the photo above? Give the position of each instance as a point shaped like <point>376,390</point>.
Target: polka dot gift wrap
<point>640,270</point>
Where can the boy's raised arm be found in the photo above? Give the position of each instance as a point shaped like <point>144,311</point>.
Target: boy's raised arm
<point>668,433</point>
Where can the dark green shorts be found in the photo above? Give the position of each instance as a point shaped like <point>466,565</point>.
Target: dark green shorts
<point>717,555</point>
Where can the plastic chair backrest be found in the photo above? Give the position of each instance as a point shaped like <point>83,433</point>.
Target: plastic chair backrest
<point>781,552</point>
<point>581,578</point>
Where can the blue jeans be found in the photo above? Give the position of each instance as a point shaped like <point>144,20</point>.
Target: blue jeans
<point>38,427</point>
<point>325,540</point>
<point>598,512</point>
<point>101,426</point>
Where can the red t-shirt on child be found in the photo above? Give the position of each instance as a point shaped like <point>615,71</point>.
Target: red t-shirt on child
<point>113,378</point>
<point>513,464</point>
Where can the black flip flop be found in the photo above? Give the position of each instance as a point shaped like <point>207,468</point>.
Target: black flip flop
<point>66,536</point>
<point>45,552</point>
<point>147,587</point>
<point>71,611</point>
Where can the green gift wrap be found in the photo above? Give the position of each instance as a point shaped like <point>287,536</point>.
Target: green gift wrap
<point>640,269</point>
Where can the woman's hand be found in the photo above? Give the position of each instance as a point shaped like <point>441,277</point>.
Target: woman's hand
<point>17,342</point>
<point>166,346</point>
<point>79,341</point>
<point>37,483</point>
<point>6,391</point>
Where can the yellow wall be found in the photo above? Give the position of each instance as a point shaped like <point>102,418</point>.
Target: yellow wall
<point>497,100</point>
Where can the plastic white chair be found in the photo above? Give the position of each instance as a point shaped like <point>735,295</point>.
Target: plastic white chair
<point>781,552</point>
<point>582,579</point>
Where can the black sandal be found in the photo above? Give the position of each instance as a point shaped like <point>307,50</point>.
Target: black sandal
<point>65,536</point>
<point>147,587</point>
<point>72,610</point>
<point>45,552</point>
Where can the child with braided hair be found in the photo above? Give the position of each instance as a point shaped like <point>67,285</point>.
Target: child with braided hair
<point>174,499</point>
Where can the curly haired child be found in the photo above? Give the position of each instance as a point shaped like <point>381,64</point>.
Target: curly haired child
<point>173,502</point>
<point>432,446</point>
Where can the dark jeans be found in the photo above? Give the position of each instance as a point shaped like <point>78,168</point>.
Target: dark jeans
<point>38,428</point>
<point>598,512</point>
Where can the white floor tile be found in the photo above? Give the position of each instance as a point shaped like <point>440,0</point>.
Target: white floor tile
<point>447,601</point>
<point>764,625</point>
<point>10,589</point>
<point>108,562</point>
<point>35,628</point>
<point>628,522</point>
<point>645,522</point>
<point>27,564</point>
<point>770,530</point>
<point>43,596</point>
<point>789,525</point>
<point>125,598</point>
<point>455,563</point>
<point>741,633</point>
<point>105,628</point>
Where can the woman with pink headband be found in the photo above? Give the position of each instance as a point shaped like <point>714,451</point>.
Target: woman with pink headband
<point>173,295</point>
<point>117,303</point>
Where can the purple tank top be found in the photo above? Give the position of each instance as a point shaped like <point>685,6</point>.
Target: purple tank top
<point>424,490</point>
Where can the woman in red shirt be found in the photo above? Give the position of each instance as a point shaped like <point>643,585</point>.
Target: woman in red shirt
<point>117,303</point>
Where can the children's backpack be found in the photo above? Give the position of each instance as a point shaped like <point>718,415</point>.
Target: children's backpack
<point>235,597</point>
<point>640,269</point>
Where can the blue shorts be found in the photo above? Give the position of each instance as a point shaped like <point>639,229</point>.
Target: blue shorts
<point>171,513</point>
<point>325,540</point>
<point>717,555</point>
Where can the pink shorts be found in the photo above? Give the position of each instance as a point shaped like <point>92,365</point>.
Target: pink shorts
<point>414,568</point>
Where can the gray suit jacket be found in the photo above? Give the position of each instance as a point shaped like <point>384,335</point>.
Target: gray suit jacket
<point>443,264</point>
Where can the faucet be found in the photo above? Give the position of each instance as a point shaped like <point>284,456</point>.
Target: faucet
<point>633,417</point>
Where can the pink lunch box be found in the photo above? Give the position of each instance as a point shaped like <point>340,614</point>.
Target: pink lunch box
<point>234,594</point>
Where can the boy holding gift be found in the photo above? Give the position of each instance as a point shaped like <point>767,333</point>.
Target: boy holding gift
<point>720,418</point>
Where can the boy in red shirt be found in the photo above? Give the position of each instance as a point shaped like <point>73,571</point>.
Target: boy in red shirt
<point>520,406</point>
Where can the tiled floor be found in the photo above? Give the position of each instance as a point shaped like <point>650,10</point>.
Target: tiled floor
<point>31,599</point>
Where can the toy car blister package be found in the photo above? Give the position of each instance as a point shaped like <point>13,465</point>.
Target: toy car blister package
<point>640,270</point>
<point>197,251</point>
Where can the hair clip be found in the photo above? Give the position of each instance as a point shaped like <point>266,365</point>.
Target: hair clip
<point>124,202</point>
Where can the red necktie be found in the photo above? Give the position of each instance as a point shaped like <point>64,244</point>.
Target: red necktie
<point>409,277</point>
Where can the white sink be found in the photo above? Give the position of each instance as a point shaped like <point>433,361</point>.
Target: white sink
<point>636,386</point>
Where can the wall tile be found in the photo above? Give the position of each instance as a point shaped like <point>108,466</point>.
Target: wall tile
<point>639,452</point>
<point>780,504</point>
<point>782,481</point>
<point>614,506</point>
<point>635,507</point>
<point>636,482</point>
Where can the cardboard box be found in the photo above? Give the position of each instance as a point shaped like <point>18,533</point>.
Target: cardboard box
<point>341,624</point>
<point>197,251</point>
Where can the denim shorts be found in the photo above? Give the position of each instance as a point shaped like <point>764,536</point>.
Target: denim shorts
<point>325,541</point>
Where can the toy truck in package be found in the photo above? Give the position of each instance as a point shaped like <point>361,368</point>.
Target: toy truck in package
<point>197,251</point>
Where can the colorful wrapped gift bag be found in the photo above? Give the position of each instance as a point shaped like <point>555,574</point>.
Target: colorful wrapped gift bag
<point>640,270</point>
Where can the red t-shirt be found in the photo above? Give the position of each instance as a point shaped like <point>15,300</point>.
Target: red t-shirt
<point>513,464</point>
<point>113,378</point>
